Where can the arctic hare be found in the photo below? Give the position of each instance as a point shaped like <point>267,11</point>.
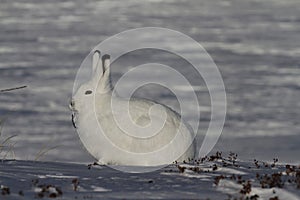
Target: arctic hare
<point>108,142</point>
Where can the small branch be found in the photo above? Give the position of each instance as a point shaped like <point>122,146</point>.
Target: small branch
<point>11,89</point>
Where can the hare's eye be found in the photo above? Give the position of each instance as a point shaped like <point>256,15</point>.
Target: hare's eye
<point>88,92</point>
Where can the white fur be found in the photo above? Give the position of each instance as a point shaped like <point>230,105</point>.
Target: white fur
<point>108,143</point>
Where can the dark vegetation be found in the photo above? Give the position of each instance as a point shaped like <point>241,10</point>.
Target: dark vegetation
<point>269,175</point>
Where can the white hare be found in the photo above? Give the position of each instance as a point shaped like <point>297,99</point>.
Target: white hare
<point>108,142</point>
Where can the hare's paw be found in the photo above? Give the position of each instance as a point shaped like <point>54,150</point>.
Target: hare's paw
<point>101,162</point>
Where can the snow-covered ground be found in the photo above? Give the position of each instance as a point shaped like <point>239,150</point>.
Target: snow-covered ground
<point>212,178</point>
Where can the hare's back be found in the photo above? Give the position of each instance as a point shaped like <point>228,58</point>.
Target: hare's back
<point>139,110</point>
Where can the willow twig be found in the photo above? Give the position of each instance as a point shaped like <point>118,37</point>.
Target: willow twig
<point>15,88</point>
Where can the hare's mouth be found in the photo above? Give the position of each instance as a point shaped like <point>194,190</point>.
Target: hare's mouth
<point>74,120</point>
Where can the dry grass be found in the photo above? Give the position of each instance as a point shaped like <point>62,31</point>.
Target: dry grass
<point>43,152</point>
<point>6,145</point>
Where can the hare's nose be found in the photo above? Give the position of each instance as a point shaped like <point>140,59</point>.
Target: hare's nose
<point>72,104</point>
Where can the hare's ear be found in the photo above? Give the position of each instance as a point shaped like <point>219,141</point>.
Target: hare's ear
<point>97,63</point>
<point>105,84</point>
<point>106,62</point>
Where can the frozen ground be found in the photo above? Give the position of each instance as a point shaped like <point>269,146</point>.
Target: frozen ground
<point>215,178</point>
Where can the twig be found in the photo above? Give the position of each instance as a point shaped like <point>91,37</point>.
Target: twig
<point>15,88</point>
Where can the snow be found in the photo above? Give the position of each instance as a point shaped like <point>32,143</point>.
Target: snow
<point>177,181</point>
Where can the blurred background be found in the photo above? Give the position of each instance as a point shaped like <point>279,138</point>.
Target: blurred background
<point>255,44</point>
